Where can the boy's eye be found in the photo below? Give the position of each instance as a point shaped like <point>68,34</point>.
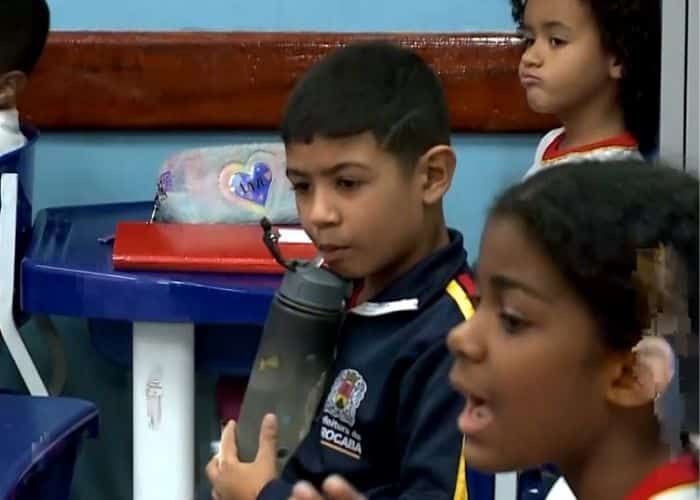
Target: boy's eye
<point>348,184</point>
<point>512,324</point>
<point>300,187</point>
<point>475,300</point>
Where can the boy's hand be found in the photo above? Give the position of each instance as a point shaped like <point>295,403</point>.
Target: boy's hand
<point>232,479</point>
<point>334,488</point>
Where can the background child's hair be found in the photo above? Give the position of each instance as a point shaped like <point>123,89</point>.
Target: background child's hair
<point>631,31</point>
<point>592,219</point>
<point>370,86</point>
<point>24,27</point>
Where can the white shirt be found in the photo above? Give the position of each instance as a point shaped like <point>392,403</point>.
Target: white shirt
<point>606,152</point>
<point>560,491</point>
<point>11,137</point>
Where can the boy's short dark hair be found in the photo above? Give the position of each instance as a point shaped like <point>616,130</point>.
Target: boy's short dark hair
<point>370,86</point>
<point>631,31</point>
<point>24,27</point>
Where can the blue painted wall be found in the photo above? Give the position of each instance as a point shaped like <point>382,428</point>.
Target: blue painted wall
<point>282,15</point>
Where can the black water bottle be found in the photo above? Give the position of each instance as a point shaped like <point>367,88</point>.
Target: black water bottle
<point>295,352</point>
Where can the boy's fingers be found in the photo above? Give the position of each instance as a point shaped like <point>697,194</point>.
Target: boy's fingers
<point>305,491</point>
<point>267,445</point>
<point>337,488</point>
<point>212,470</point>
<point>229,451</point>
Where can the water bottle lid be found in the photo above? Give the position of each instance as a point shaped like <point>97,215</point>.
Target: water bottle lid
<point>316,288</point>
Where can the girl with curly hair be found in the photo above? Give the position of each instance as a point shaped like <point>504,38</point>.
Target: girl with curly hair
<point>595,65</point>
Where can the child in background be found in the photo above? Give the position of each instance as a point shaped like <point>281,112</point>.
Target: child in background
<point>24,27</point>
<point>595,65</point>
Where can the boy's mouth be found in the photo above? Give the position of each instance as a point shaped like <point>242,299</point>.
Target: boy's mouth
<point>332,252</point>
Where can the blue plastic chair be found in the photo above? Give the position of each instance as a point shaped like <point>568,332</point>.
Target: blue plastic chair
<point>40,442</point>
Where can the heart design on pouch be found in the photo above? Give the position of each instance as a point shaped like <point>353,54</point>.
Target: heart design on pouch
<point>246,185</point>
<point>253,187</point>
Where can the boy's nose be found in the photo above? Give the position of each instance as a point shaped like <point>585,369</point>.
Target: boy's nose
<point>323,212</point>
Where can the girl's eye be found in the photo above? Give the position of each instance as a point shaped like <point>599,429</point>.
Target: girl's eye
<point>512,324</point>
<point>475,300</point>
<point>556,42</point>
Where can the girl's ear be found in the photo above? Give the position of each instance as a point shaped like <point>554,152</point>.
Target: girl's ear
<point>640,376</point>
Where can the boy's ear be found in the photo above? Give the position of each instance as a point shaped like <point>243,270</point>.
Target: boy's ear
<point>638,377</point>
<point>435,170</point>
<point>11,86</point>
<point>615,68</point>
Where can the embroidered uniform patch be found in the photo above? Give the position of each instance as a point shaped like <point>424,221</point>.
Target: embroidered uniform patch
<point>345,397</point>
<point>341,406</point>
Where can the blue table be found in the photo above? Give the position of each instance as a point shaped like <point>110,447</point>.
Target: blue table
<point>66,271</point>
<point>39,443</point>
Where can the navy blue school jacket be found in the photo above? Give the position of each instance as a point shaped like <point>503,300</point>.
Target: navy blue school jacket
<point>388,420</point>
